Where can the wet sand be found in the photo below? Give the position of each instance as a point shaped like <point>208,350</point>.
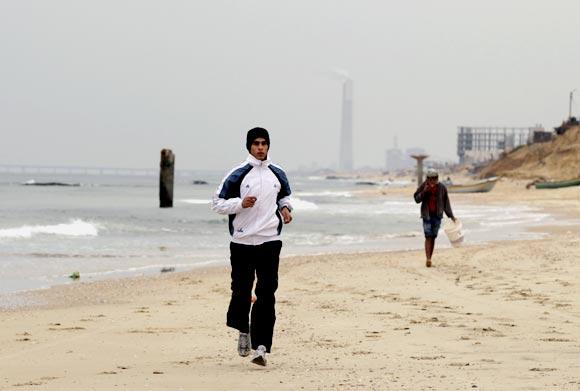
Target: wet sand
<point>501,316</point>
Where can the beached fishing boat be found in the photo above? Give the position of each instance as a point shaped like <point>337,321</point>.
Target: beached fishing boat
<point>558,184</point>
<point>477,187</point>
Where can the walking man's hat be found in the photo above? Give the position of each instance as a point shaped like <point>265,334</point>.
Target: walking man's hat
<point>256,133</point>
<point>432,173</point>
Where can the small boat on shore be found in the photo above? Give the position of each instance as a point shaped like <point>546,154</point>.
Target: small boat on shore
<point>477,187</point>
<point>558,184</point>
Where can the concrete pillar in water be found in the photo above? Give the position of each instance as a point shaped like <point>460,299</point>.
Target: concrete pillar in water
<point>166,173</point>
<point>419,159</point>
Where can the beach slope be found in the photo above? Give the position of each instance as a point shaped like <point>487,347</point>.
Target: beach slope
<point>499,316</point>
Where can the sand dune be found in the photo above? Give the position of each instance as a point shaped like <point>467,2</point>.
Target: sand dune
<point>558,159</point>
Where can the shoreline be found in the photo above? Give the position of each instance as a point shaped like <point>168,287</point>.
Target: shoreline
<point>509,191</point>
<point>37,298</point>
<point>55,296</point>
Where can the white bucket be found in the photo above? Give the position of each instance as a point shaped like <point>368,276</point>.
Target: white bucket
<point>453,231</point>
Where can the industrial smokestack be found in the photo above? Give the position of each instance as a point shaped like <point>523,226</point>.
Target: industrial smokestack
<point>345,160</point>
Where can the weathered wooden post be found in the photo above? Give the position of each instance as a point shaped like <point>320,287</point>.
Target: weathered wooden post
<point>166,178</point>
<point>419,159</point>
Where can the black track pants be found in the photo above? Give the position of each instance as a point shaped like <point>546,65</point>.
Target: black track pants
<point>249,261</point>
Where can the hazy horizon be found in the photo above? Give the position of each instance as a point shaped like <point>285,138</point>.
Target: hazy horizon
<point>111,83</point>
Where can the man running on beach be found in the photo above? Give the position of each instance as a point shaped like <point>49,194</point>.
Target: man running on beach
<point>434,201</point>
<point>255,195</point>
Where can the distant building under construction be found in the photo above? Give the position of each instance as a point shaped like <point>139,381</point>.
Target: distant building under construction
<point>479,144</point>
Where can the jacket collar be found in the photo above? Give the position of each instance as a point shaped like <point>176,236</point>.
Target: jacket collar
<point>256,163</point>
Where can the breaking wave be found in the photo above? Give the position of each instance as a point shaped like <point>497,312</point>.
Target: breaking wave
<point>75,227</point>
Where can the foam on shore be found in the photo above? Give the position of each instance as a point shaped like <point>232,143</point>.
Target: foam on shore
<point>75,227</point>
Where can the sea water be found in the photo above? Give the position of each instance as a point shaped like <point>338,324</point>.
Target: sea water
<point>111,226</point>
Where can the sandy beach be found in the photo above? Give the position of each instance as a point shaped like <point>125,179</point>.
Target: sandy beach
<point>500,316</point>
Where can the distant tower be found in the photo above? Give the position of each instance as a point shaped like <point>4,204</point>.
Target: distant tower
<point>419,159</point>
<point>345,161</point>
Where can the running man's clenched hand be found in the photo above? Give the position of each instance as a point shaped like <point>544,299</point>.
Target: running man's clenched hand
<point>248,202</point>
<point>286,215</point>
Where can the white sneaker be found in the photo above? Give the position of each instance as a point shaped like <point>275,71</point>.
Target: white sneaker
<point>260,356</point>
<point>244,345</point>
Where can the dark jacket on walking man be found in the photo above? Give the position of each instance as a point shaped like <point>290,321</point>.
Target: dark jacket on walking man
<point>256,196</point>
<point>434,202</point>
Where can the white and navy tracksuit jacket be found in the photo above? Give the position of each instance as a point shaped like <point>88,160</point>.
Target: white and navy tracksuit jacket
<point>269,184</point>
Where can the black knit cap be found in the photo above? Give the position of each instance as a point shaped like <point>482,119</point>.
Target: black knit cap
<point>256,133</point>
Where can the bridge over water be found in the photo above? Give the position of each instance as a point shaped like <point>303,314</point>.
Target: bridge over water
<point>70,170</point>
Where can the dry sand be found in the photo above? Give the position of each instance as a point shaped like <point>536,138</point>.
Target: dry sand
<point>503,316</point>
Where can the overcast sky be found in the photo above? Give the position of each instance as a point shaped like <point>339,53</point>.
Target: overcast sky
<point>111,82</point>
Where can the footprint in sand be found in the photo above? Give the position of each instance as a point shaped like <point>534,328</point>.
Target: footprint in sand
<point>189,281</point>
<point>28,383</point>
<point>160,330</point>
<point>490,361</point>
<point>459,364</point>
<point>221,290</point>
<point>184,362</point>
<point>543,369</point>
<point>381,313</point>
<point>373,334</point>
<point>488,331</point>
<point>554,330</point>
<point>25,337</point>
<point>39,382</point>
<point>72,328</point>
<point>556,340</point>
<point>428,358</point>
<point>329,343</point>
<point>361,352</point>
<point>333,307</point>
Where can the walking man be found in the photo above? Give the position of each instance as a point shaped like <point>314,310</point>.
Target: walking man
<point>434,201</point>
<point>255,195</point>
